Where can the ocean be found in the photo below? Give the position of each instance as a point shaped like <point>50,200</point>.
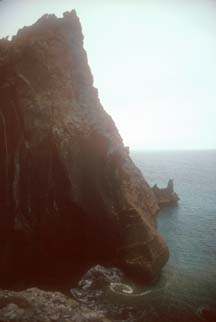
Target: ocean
<point>186,291</point>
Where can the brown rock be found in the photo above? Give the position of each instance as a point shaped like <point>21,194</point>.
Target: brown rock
<point>166,196</point>
<point>44,306</point>
<point>70,195</point>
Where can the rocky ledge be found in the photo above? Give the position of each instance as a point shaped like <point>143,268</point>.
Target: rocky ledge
<point>166,196</point>
<point>70,195</point>
<point>35,305</point>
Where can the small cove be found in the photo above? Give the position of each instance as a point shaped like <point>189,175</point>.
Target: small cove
<point>187,284</point>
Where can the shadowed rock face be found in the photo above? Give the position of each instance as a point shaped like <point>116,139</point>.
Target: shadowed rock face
<point>70,196</point>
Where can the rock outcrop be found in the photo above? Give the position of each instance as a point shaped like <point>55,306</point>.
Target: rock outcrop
<point>166,196</point>
<point>35,305</point>
<point>70,195</point>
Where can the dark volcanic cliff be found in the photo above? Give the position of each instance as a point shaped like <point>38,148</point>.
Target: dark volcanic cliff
<point>70,196</point>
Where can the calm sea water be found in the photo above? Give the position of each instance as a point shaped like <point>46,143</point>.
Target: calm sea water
<point>188,282</point>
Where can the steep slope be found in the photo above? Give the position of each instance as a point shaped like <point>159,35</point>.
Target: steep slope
<point>70,196</point>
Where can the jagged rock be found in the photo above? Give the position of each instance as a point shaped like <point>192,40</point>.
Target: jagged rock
<point>35,305</point>
<point>70,195</point>
<point>166,196</point>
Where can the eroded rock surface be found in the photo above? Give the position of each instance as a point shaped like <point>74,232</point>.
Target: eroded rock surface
<point>166,196</point>
<point>70,195</point>
<point>35,305</point>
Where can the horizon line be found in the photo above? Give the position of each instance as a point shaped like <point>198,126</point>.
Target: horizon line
<point>171,150</point>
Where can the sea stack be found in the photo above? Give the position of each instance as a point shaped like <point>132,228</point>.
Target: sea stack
<point>70,195</point>
<point>166,197</point>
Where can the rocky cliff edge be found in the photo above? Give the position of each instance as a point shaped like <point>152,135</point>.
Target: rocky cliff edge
<point>70,195</point>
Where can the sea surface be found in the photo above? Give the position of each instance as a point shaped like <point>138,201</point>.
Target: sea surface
<point>186,291</point>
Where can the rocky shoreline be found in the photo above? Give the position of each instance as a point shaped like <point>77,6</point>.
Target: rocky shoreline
<point>166,197</point>
<point>35,305</point>
<point>70,195</point>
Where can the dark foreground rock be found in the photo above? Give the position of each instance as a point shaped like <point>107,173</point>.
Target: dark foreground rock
<point>166,196</point>
<point>70,195</point>
<point>208,314</point>
<point>35,305</point>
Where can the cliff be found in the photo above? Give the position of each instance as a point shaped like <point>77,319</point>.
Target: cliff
<point>166,196</point>
<point>70,195</point>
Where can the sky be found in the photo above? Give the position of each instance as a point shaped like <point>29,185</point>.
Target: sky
<point>153,61</point>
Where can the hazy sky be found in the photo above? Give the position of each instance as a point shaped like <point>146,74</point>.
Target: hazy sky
<point>154,63</point>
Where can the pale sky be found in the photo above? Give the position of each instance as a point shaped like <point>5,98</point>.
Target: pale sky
<point>153,61</point>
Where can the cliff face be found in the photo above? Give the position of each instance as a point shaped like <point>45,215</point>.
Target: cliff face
<point>70,196</point>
